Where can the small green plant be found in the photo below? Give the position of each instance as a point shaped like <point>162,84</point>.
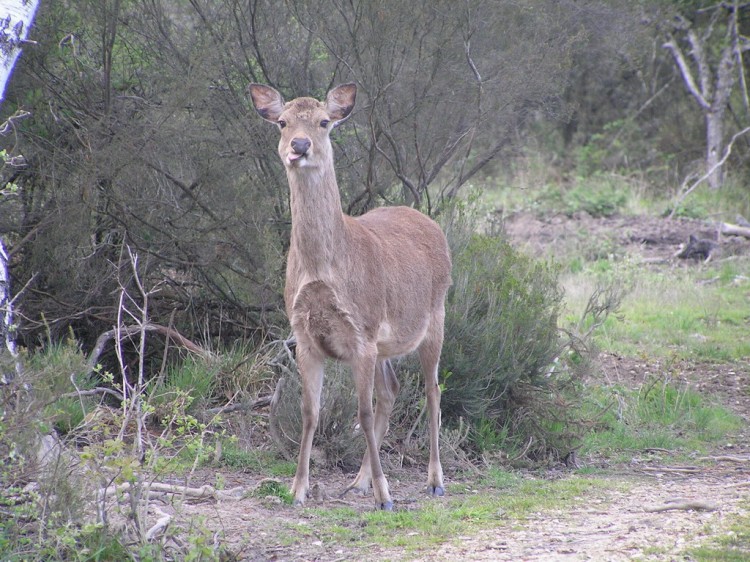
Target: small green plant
<point>275,489</point>
<point>192,380</point>
<point>488,438</point>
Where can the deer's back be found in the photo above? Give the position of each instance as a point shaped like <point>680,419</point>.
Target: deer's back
<point>410,252</point>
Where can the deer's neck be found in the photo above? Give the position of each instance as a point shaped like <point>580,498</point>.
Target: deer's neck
<point>318,232</point>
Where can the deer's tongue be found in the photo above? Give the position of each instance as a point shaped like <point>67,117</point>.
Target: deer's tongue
<point>294,156</point>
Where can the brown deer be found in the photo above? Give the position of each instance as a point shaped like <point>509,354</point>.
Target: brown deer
<point>359,290</point>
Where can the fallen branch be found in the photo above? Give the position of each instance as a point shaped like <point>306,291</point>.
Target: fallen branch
<point>734,229</point>
<point>725,458</point>
<point>682,504</point>
<point>675,469</point>
<point>161,524</point>
<point>205,492</point>
<point>127,331</point>
<point>261,402</point>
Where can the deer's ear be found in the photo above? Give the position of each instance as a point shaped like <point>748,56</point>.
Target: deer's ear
<point>340,102</point>
<point>268,102</point>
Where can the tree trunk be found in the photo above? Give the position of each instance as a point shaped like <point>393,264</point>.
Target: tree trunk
<point>714,144</point>
<point>7,328</point>
<point>15,20</point>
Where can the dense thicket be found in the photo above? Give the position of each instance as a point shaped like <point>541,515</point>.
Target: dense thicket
<point>139,133</point>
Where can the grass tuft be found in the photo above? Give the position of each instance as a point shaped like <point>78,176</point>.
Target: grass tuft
<point>658,414</point>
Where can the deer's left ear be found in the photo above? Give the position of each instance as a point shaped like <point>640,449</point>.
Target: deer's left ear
<point>340,102</point>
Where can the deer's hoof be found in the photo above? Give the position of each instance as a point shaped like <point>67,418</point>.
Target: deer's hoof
<point>437,491</point>
<point>386,506</point>
<point>298,503</point>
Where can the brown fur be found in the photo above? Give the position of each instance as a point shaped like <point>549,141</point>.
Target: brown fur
<point>360,290</point>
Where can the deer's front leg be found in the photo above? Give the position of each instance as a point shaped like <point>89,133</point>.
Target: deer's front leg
<point>310,367</point>
<point>364,374</point>
<point>386,390</point>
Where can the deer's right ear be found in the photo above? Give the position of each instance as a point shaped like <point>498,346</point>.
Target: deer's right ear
<point>268,102</point>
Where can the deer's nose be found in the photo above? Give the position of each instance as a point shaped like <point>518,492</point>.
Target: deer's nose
<point>300,146</point>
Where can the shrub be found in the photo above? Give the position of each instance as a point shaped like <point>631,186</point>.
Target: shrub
<point>501,326</point>
<point>598,196</point>
<point>506,369</point>
<point>47,483</point>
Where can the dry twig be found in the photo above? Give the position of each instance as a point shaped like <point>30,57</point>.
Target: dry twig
<point>682,504</point>
<point>673,469</point>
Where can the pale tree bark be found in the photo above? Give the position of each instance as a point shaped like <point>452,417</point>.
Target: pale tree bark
<point>7,327</point>
<point>711,79</point>
<point>15,20</point>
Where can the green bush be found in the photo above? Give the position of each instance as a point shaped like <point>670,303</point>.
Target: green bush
<point>596,196</point>
<point>500,329</point>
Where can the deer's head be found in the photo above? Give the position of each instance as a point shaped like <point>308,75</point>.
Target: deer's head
<point>304,123</point>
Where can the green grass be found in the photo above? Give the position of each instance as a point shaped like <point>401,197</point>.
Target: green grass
<point>732,545</point>
<point>276,489</point>
<point>266,463</point>
<point>699,315</point>
<point>656,415</point>
<point>501,498</point>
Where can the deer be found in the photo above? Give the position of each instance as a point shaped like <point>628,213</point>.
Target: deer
<point>360,290</point>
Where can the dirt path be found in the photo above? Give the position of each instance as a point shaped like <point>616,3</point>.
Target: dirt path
<point>613,525</point>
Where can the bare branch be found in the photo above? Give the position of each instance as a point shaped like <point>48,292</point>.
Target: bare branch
<point>737,50</point>
<point>687,74</point>
<point>126,331</point>
<point>708,174</point>
<point>91,392</point>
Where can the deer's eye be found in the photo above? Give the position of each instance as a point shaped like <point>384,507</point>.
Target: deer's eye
<point>281,123</point>
<point>324,123</point>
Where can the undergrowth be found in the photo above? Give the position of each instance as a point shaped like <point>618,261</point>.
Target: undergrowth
<point>659,414</point>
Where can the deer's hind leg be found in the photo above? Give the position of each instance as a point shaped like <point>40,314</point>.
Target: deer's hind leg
<point>429,357</point>
<point>386,390</point>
